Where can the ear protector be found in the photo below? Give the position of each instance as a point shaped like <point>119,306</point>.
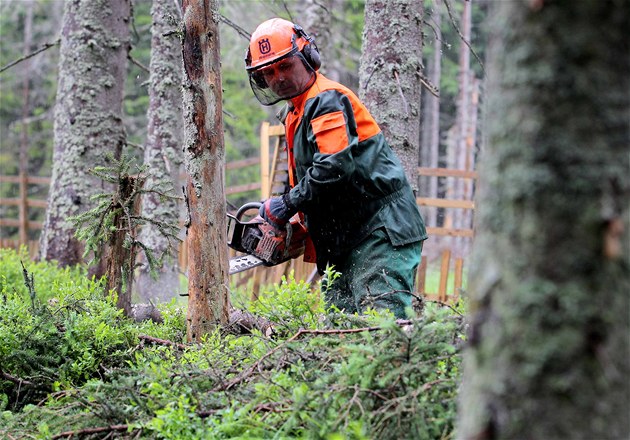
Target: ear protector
<point>310,51</point>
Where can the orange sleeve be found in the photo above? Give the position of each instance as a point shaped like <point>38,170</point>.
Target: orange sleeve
<point>330,132</point>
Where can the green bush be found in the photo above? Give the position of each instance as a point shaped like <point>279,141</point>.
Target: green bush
<point>50,281</point>
<point>63,333</point>
<point>323,375</point>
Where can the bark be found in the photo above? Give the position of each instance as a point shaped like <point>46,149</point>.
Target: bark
<point>121,249</point>
<point>161,155</point>
<point>208,302</point>
<point>88,124</point>
<point>391,64</point>
<point>549,332</point>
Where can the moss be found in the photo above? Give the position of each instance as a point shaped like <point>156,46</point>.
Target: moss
<point>545,338</point>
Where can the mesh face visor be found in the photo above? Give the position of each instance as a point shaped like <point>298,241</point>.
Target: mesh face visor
<point>281,78</point>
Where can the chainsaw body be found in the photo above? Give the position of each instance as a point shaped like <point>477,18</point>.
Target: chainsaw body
<point>260,240</point>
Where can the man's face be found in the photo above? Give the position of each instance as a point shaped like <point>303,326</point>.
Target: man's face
<point>287,77</point>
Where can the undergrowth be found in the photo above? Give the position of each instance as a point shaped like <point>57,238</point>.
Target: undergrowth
<point>70,362</point>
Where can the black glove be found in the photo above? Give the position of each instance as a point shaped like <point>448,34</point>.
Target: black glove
<point>277,211</point>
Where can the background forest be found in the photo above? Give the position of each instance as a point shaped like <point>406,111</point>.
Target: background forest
<point>28,88</point>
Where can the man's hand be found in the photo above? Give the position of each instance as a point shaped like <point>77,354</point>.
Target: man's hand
<point>277,212</point>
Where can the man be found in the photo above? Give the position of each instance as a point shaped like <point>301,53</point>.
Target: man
<point>357,204</point>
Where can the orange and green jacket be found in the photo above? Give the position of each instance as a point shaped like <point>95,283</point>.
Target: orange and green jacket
<point>345,178</point>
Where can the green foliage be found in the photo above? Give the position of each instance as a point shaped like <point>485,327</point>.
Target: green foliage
<point>50,281</point>
<point>177,421</point>
<point>116,212</point>
<point>323,376</point>
<point>69,333</point>
<point>291,304</point>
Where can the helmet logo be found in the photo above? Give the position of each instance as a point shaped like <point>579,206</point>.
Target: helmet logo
<point>264,46</point>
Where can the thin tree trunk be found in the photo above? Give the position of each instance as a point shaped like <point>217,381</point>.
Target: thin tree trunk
<point>430,145</point>
<point>162,154</point>
<point>471,158</point>
<point>390,75</point>
<point>119,258</point>
<point>28,41</point>
<point>462,122</point>
<point>549,330</point>
<point>208,301</point>
<point>88,116</point>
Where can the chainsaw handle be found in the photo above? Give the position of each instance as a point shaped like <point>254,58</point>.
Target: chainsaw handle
<point>246,207</point>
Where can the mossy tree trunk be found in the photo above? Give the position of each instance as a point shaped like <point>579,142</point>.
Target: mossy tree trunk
<point>208,302</point>
<point>162,153</point>
<point>389,76</point>
<point>88,116</point>
<point>549,333</point>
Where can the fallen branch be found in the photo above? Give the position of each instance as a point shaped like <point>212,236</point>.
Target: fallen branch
<point>16,380</point>
<point>242,322</point>
<point>162,342</point>
<point>247,373</point>
<point>427,386</point>
<point>86,431</point>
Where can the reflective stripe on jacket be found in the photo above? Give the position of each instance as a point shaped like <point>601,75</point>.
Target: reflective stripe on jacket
<point>345,177</point>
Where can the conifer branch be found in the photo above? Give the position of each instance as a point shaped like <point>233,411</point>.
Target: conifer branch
<point>44,47</point>
<point>256,365</point>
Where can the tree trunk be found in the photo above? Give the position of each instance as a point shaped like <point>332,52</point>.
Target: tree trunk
<point>88,111</point>
<point>24,141</point>
<point>120,254</point>
<point>459,145</point>
<point>318,23</point>
<point>549,332</point>
<point>430,145</point>
<point>208,301</point>
<point>391,64</point>
<point>162,155</point>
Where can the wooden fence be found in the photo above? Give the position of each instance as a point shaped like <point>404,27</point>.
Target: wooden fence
<point>273,180</point>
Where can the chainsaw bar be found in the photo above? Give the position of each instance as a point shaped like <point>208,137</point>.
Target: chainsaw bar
<point>239,264</point>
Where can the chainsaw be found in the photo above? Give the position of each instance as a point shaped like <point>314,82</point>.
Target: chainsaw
<point>262,243</point>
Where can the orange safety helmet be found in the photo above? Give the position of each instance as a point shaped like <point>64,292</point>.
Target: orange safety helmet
<point>273,41</point>
<point>277,38</point>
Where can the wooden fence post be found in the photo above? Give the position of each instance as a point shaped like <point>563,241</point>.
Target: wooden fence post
<point>265,169</point>
<point>446,259</point>
<point>23,207</point>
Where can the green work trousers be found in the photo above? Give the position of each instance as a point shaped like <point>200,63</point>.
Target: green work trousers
<point>375,274</point>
